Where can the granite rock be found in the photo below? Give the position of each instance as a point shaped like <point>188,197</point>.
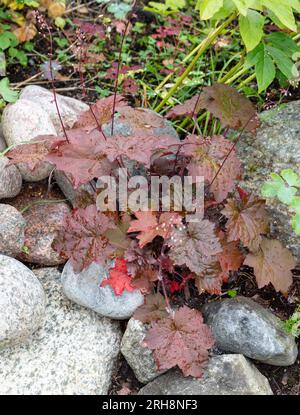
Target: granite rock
<point>275,147</point>
<point>84,288</point>
<point>139,357</point>
<point>12,227</point>
<point>241,325</point>
<point>21,122</point>
<point>42,224</point>
<point>230,374</point>
<point>74,353</point>
<point>22,303</point>
<point>10,179</point>
<point>69,108</point>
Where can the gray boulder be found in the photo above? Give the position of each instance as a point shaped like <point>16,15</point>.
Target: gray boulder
<point>12,230</point>
<point>22,303</point>
<point>21,122</point>
<point>84,288</point>
<point>275,147</point>
<point>10,179</point>
<point>69,108</point>
<point>240,325</point>
<point>139,357</point>
<point>74,353</point>
<point>224,375</point>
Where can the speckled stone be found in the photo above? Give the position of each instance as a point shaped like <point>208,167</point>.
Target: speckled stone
<point>139,357</point>
<point>10,179</point>
<point>84,288</point>
<point>22,303</point>
<point>3,144</point>
<point>42,224</point>
<point>79,197</point>
<point>74,353</point>
<point>240,325</point>
<point>12,227</point>
<point>230,374</point>
<point>276,147</point>
<point>122,127</point>
<point>21,122</point>
<point>69,108</point>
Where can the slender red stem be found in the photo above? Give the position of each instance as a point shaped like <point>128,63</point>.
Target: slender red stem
<point>119,67</point>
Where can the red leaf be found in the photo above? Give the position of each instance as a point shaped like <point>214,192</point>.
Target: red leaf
<point>194,245</point>
<point>102,110</point>
<point>272,263</point>
<point>247,220</point>
<point>149,226</point>
<point>153,309</point>
<point>34,152</point>
<point>140,148</point>
<point>119,279</point>
<point>207,157</point>
<point>144,279</point>
<point>82,157</point>
<point>224,102</point>
<point>231,258</point>
<point>181,341</point>
<point>82,238</point>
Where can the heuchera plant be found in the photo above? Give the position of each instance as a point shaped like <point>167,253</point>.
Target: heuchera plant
<point>158,252</point>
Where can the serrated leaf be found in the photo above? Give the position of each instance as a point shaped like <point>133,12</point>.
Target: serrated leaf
<point>154,309</point>
<point>286,194</point>
<point>149,225</point>
<point>119,279</point>
<point>272,263</point>
<point>251,28</point>
<point>291,177</point>
<point>82,238</point>
<point>207,156</point>
<point>247,221</point>
<point>182,341</point>
<point>194,245</point>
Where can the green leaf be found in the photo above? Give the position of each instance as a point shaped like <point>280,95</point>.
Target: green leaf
<point>295,204</point>
<point>285,64</point>
<point>253,57</point>
<point>227,9</point>
<point>283,12</point>
<point>283,42</point>
<point>251,27</point>
<point>286,194</point>
<point>7,39</point>
<point>232,293</point>
<point>296,224</point>
<point>291,177</point>
<point>208,8</point>
<point>295,4</point>
<point>241,6</point>
<point>119,10</point>
<point>264,70</point>
<point>7,94</point>
<point>269,190</point>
